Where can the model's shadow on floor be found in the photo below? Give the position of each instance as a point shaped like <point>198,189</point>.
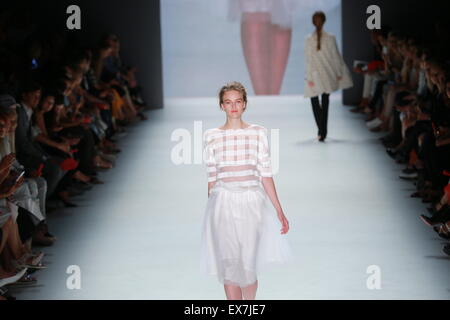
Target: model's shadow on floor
<point>314,141</point>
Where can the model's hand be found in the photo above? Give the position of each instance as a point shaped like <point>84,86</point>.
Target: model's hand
<point>310,84</point>
<point>284,223</point>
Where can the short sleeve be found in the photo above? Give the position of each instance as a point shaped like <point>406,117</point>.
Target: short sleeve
<point>264,165</point>
<point>208,156</point>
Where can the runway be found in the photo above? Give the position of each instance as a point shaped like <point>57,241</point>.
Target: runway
<point>137,236</point>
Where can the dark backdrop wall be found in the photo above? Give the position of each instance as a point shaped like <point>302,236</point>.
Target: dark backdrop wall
<point>136,22</point>
<point>417,17</point>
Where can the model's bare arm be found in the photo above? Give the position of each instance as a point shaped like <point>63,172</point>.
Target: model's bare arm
<point>269,186</point>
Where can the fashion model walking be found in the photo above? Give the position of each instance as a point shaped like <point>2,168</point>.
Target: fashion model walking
<point>326,72</point>
<point>241,227</point>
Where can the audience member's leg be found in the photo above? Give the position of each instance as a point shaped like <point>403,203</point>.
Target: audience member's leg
<point>377,96</point>
<point>412,136</point>
<point>367,89</point>
<point>25,225</point>
<point>86,151</point>
<point>396,128</point>
<point>14,244</point>
<point>42,193</point>
<point>52,174</point>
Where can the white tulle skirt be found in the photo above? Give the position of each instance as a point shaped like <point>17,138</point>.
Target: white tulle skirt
<point>241,235</point>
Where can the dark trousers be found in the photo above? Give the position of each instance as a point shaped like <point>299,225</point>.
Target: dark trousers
<point>412,136</point>
<point>436,159</point>
<point>25,224</point>
<point>320,110</point>
<point>378,95</point>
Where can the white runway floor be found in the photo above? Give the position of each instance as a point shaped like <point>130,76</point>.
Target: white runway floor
<point>137,236</point>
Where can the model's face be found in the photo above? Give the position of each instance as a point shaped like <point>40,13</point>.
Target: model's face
<point>233,104</point>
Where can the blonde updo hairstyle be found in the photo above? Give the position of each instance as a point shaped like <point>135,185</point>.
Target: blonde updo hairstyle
<point>237,86</point>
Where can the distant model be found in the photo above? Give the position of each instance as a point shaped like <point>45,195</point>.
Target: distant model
<point>326,72</point>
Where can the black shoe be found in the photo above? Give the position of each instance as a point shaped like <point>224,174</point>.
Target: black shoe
<point>429,221</point>
<point>387,138</point>
<point>96,181</point>
<point>69,204</point>
<point>82,185</point>
<point>416,194</point>
<point>401,158</point>
<point>409,170</point>
<point>391,153</point>
<point>446,249</point>
<point>390,145</point>
<point>74,191</point>
<point>438,218</point>
<point>142,116</point>
<point>50,236</point>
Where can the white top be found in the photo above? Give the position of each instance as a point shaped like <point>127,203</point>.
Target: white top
<point>237,157</point>
<point>323,67</point>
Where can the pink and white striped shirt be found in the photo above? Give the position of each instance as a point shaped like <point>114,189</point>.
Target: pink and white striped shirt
<point>237,157</point>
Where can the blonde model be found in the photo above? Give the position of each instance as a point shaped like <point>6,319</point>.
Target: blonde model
<point>241,227</point>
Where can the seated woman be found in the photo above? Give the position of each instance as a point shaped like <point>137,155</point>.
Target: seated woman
<point>31,195</point>
<point>40,130</point>
<point>60,126</point>
<point>58,142</point>
<point>85,115</point>
<point>67,118</point>
<point>14,254</point>
<point>98,112</point>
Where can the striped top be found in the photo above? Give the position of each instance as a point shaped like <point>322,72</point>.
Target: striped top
<point>237,157</point>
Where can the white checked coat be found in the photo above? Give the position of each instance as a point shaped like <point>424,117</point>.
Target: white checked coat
<point>323,67</point>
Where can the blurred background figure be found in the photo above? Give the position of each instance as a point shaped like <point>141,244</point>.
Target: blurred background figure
<point>266,32</point>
